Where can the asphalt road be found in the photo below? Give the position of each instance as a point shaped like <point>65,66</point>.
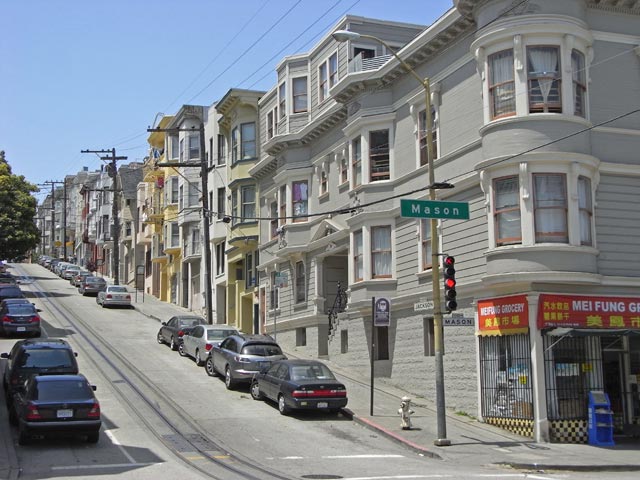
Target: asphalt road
<point>165,418</point>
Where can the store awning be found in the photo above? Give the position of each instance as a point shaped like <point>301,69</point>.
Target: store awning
<point>585,332</point>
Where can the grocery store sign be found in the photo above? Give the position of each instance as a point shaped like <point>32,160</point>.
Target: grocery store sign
<point>503,315</point>
<point>581,311</point>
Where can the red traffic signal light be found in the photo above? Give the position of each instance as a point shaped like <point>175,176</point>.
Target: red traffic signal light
<point>449,273</point>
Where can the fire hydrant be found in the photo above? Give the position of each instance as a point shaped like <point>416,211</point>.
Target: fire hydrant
<point>405,413</point>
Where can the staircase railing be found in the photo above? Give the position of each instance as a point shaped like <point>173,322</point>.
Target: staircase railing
<point>339,305</point>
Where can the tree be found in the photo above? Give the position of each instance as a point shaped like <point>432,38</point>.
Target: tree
<point>18,231</point>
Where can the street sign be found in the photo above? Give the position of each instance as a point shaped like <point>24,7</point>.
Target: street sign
<point>421,306</point>
<point>457,322</point>
<point>434,209</point>
<point>381,312</point>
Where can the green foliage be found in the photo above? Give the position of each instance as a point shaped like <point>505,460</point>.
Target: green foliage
<point>18,231</point>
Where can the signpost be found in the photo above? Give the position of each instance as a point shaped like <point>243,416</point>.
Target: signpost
<point>422,306</point>
<point>434,209</point>
<point>380,317</point>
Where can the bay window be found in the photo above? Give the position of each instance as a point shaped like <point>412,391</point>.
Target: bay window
<point>301,295</point>
<point>323,82</point>
<point>550,207</point>
<point>544,79</point>
<point>502,92</point>
<point>324,188</point>
<point>274,219</point>
<point>381,252</point>
<point>282,99</point>
<point>234,145</point>
<point>283,205</point>
<point>299,93</point>
<point>506,211</point>
<point>299,200</point>
<point>585,208</point>
<point>174,147</point>
<point>425,241</point>
<point>422,135</point>
<point>356,162</point>
<point>344,170</point>
<point>379,167</point>
<point>248,203</point>
<point>221,150</point>
<point>358,257</point>
<point>579,83</point>
<point>194,147</point>
<point>248,139</point>
<point>234,207</point>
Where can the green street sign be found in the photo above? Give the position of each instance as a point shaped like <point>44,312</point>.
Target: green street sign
<point>434,209</point>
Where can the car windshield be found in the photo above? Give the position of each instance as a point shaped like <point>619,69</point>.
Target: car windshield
<point>94,280</point>
<point>46,358</point>
<point>218,334</point>
<point>21,309</point>
<point>63,390</point>
<point>118,289</point>
<point>261,349</point>
<point>311,372</point>
<point>190,322</point>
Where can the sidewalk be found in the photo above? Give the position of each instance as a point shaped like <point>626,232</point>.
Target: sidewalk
<point>472,443</point>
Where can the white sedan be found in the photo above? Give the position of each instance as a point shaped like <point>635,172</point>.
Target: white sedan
<point>197,341</point>
<point>114,295</point>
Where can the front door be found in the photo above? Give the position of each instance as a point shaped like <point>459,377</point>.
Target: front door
<point>615,378</point>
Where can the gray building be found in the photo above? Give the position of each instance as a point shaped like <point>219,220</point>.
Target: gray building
<point>533,123</point>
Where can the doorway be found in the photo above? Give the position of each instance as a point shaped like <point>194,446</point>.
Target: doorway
<point>614,378</point>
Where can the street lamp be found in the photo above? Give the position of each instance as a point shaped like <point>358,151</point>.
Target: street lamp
<point>347,35</point>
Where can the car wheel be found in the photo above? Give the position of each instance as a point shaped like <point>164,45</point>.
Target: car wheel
<point>228,379</point>
<point>23,437</point>
<point>93,437</point>
<point>181,350</point>
<point>160,339</point>
<point>282,406</point>
<point>255,391</point>
<point>208,366</point>
<point>199,361</point>
<point>104,305</point>
<point>173,344</point>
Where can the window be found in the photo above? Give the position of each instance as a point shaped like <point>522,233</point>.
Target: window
<point>506,211</point>
<point>174,192</point>
<point>429,337</point>
<point>221,150</point>
<point>194,147</point>
<point>250,272</point>
<point>195,241</point>
<point>299,87</point>
<point>425,241</point>
<point>579,83</point>
<point>273,293</point>
<point>210,151</point>
<point>174,233</point>
<point>344,170</point>
<point>127,229</point>
<point>181,198</point>
<point>194,195</point>
<point>364,52</point>
<point>301,294</point>
<point>220,258</point>
<point>234,145</point>
<point>234,207</point>
<point>323,183</point>
<point>358,259</point>
<point>282,99</point>
<point>502,93</point>
<point>248,203</point>
<point>248,138</point>
<point>422,135</point>
<point>301,337</point>
<point>173,143</point>
<point>299,200</point>
<point>333,70</point>
<point>585,210</point>
<point>381,252</point>
<point>273,213</point>
<point>221,199</point>
<point>379,155</point>
<point>543,67</point>
<point>323,82</point>
<point>283,205</point>
<point>356,162</point>
<point>181,154</point>
<point>270,125</point>
<point>550,208</point>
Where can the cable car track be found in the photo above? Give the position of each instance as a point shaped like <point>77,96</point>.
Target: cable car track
<point>190,448</point>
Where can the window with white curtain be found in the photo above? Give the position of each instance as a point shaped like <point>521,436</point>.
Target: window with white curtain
<point>248,203</point>
<point>381,252</point>
<point>506,211</point>
<point>544,77</point>
<point>425,241</point>
<point>358,258</point>
<point>585,210</point>
<point>300,200</point>
<point>502,91</point>
<point>248,139</point>
<point>579,83</point>
<point>550,207</point>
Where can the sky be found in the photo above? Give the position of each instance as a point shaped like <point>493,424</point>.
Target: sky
<point>94,74</point>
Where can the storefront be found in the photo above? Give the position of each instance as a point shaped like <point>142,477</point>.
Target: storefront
<point>541,355</point>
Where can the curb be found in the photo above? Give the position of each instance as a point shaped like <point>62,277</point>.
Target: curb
<point>536,467</point>
<point>389,434</point>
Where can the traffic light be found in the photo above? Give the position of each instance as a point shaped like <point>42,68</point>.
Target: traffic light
<point>449,273</point>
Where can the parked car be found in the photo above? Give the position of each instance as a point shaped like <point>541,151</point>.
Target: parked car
<point>7,279</point>
<point>56,404</point>
<point>200,339</point>
<point>10,291</point>
<point>171,332</point>
<point>70,271</point>
<point>92,284</point>
<point>114,296</point>
<point>36,357</point>
<point>59,267</point>
<point>52,263</point>
<point>19,317</point>
<point>299,385</point>
<point>76,279</point>
<point>240,357</point>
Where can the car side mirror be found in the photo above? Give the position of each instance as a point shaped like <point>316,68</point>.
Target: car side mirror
<point>75,354</point>
<point>4,355</point>
<point>38,309</point>
<point>94,388</point>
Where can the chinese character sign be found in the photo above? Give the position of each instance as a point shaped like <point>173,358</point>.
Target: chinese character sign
<point>579,311</point>
<point>504,315</point>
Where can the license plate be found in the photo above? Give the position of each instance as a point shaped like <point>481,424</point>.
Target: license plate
<point>323,404</point>
<point>66,413</point>
<point>20,329</point>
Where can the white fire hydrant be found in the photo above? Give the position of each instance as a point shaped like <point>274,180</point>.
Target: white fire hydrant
<point>405,413</point>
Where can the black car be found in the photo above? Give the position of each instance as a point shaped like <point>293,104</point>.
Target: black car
<point>51,356</point>
<point>19,317</point>
<point>92,284</point>
<point>299,385</point>
<point>10,291</point>
<point>56,404</point>
<point>171,332</point>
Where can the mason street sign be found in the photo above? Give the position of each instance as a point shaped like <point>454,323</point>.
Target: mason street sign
<point>434,209</point>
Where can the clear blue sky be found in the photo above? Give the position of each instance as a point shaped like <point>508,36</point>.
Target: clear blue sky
<point>81,74</point>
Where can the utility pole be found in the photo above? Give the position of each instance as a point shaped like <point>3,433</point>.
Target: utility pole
<point>64,219</point>
<point>112,171</point>
<point>204,172</point>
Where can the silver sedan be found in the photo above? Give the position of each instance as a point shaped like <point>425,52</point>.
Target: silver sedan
<point>200,339</point>
<point>114,295</point>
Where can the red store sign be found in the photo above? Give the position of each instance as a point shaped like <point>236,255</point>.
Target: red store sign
<point>503,316</point>
<point>579,311</point>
